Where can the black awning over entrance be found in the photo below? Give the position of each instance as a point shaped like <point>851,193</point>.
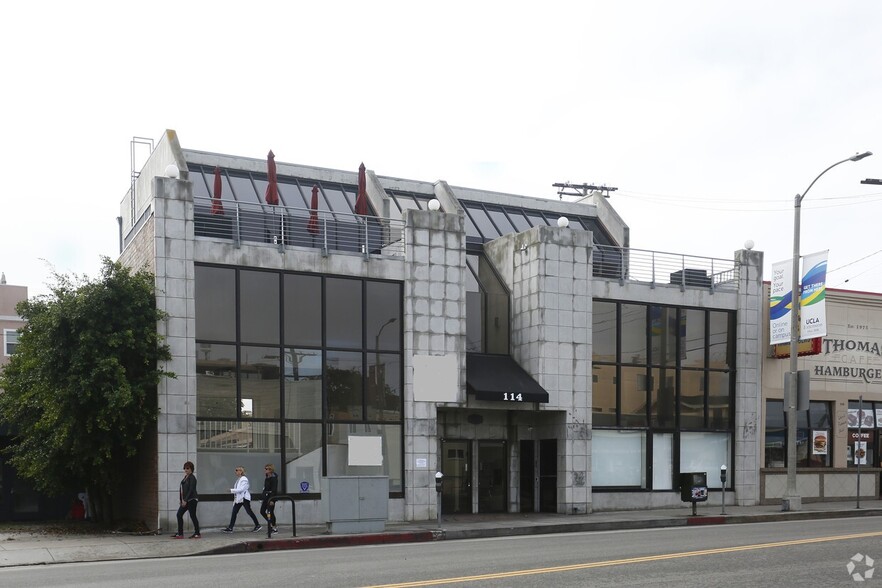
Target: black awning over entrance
<point>499,377</point>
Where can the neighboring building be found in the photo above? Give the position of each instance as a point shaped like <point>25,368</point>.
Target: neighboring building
<point>845,370</point>
<point>18,500</point>
<point>10,322</point>
<point>539,366</point>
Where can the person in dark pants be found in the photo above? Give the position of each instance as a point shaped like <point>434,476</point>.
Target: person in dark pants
<point>270,488</point>
<point>242,497</point>
<point>189,501</point>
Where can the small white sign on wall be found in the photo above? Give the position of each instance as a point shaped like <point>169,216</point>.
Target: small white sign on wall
<point>435,378</point>
<point>365,451</point>
<point>422,463</point>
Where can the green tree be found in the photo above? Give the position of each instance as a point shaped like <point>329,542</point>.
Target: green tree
<point>80,391</point>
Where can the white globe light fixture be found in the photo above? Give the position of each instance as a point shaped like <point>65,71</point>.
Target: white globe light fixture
<point>563,222</point>
<point>434,204</point>
<point>748,244</point>
<point>172,171</point>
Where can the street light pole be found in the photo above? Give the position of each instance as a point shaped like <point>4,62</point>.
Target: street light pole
<point>791,499</point>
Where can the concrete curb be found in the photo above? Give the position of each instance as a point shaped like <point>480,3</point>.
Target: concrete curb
<point>324,541</point>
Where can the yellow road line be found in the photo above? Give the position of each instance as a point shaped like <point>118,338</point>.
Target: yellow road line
<point>631,560</point>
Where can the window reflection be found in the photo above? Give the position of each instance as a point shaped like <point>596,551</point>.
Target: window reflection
<point>343,371</point>
<point>303,383</point>
<point>383,387</point>
<point>303,310</point>
<point>259,306</point>
<point>215,303</point>
<point>259,378</point>
<point>216,381</point>
<point>343,317</point>
<point>243,384</point>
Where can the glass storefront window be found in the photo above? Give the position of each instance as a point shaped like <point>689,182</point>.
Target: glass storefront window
<point>343,317</point>
<point>814,435</point>
<point>692,399</point>
<point>663,461</point>
<point>303,383</point>
<point>341,361</point>
<point>383,314</point>
<point>375,448</point>
<point>633,334</point>
<point>260,382</point>
<point>225,444</point>
<point>259,307</point>
<point>862,437</point>
<point>603,395</point>
<point>618,458</point>
<point>634,388</point>
<point>692,346</point>
<point>663,407</point>
<point>718,340</point>
<point>383,387</point>
<point>664,331</point>
<point>661,350</point>
<point>604,332</point>
<point>216,381</point>
<point>706,452</point>
<point>718,400</point>
<point>303,457</point>
<point>303,310</point>
<point>343,370</point>
<point>215,303</point>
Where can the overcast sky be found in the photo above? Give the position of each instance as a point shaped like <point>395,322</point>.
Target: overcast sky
<point>708,117</point>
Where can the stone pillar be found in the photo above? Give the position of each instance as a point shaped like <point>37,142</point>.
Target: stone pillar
<point>546,269</point>
<point>748,379</point>
<point>434,327</point>
<point>176,426</point>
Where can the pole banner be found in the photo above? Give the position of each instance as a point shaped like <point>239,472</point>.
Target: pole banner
<point>780,299</point>
<point>812,300</point>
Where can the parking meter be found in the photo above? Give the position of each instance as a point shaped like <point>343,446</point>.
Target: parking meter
<point>438,479</point>
<point>723,474</point>
<point>723,480</point>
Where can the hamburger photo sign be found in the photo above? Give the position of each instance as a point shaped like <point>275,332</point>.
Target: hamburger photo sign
<point>819,442</point>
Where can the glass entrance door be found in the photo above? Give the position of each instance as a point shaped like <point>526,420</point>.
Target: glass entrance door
<point>456,490</point>
<point>528,477</point>
<point>492,487</point>
<point>548,475</point>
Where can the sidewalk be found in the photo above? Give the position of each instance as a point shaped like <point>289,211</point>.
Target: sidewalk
<point>31,548</point>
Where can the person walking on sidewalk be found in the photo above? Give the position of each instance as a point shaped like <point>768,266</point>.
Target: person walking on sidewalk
<point>270,488</point>
<point>242,497</point>
<point>189,501</point>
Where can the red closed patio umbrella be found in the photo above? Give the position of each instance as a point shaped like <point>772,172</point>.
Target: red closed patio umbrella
<point>312,225</point>
<point>272,188</point>
<point>361,201</point>
<point>216,206</point>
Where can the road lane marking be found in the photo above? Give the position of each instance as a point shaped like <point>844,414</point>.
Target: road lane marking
<point>628,561</point>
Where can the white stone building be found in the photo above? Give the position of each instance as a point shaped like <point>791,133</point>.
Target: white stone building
<point>540,367</point>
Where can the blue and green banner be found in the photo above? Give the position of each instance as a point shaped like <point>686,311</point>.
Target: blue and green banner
<point>780,302</point>
<point>813,297</point>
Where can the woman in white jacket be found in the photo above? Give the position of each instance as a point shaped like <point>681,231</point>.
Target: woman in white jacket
<point>242,497</point>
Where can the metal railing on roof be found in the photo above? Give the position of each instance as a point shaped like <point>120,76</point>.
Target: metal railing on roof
<point>299,227</point>
<point>657,267</point>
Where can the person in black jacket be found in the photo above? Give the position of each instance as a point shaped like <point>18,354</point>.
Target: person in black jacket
<point>270,488</point>
<point>189,501</point>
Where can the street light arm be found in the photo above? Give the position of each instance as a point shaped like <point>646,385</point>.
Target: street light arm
<point>857,157</point>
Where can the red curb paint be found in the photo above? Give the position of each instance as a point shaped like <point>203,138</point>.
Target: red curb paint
<point>705,520</point>
<point>339,541</point>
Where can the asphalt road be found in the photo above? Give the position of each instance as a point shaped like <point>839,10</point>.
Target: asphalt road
<point>804,553</point>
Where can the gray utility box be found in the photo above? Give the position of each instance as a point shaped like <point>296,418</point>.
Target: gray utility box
<point>355,504</point>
